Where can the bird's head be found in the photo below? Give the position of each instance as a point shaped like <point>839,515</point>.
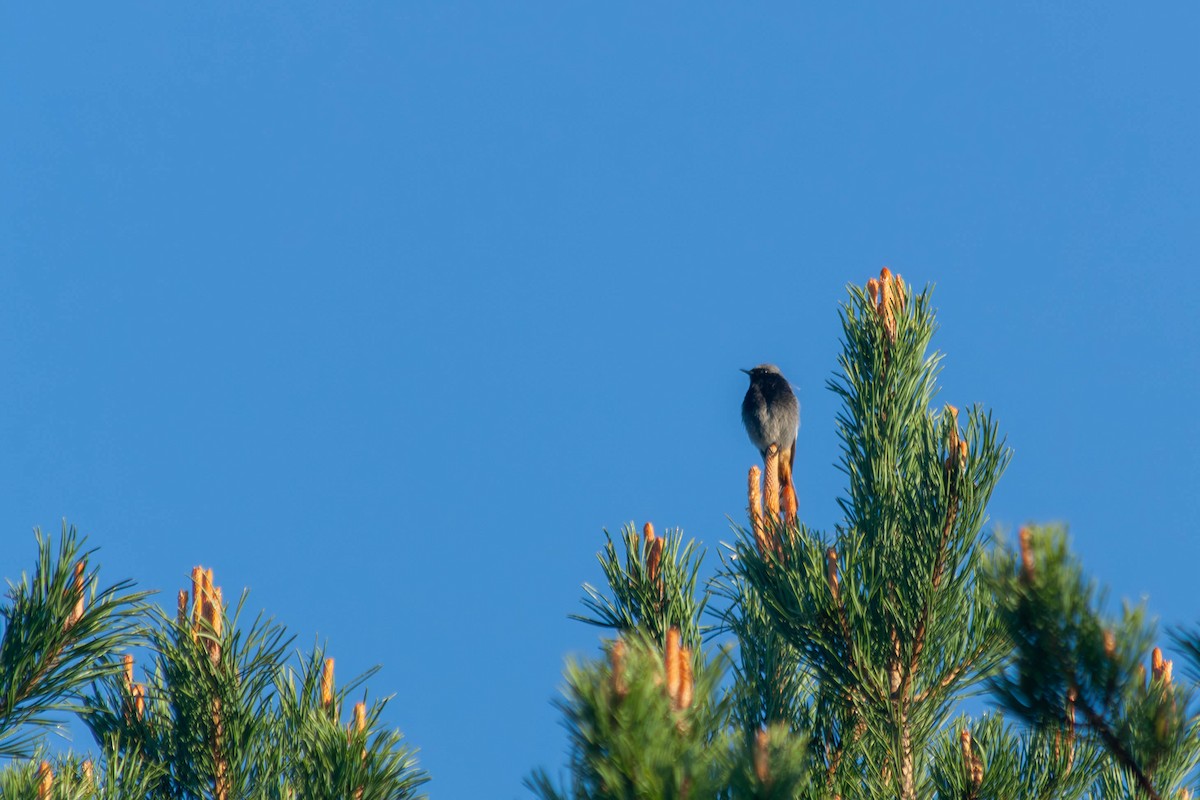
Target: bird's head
<point>761,370</point>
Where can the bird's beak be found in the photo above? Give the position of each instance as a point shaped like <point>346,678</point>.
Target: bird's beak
<point>745,371</point>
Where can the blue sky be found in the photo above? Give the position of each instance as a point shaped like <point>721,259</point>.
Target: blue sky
<point>386,310</point>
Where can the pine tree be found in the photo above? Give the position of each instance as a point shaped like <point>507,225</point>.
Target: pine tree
<point>222,710</point>
<point>850,651</point>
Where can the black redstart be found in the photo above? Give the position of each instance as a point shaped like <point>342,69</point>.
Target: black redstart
<point>771,415</point>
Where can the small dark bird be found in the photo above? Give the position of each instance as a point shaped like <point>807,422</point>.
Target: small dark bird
<point>771,414</point>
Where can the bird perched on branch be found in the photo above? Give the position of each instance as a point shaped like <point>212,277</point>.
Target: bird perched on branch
<point>771,414</point>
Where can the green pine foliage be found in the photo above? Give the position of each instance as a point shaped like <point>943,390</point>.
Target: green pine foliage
<point>654,587</point>
<point>1011,764</point>
<point>632,736</point>
<point>220,708</point>
<point>49,649</point>
<point>847,653</point>
<point>670,748</point>
<point>1070,657</point>
<point>76,777</point>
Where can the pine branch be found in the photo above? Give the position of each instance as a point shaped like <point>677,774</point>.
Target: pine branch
<point>1068,654</point>
<point>653,589</point>
<point>60,633</point>
<point>1117,748</point>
